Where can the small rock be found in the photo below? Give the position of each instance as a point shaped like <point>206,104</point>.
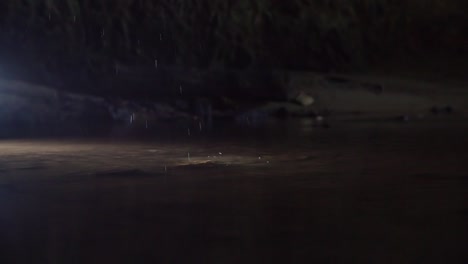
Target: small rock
<point>403,118</point>
<point>442,110</point>
<point>378,89</point>
<point>448,109</point>
<point>304,99</point>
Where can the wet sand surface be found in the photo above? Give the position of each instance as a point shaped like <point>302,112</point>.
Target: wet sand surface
<point>357,192</point>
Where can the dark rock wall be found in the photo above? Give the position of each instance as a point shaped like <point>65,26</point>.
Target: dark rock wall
<point>76,42</point>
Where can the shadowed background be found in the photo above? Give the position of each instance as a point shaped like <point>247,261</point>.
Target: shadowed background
<point>60,42</point>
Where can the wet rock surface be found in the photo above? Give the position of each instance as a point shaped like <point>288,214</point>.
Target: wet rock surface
<point>248,98</point>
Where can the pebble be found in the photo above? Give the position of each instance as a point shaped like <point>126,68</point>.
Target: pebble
<point>448,109</point>
<point>404,118</point>
<point>442,110</point>
<point>304,99</point>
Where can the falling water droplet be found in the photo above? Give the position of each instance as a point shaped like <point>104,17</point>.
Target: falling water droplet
<point>188,131</point>
<point>200,125</point>
<point>156,63</point>
<point>188,156</point>
<point>180,89</point>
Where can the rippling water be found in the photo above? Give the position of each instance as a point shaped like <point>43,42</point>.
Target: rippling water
<point>280,193</point>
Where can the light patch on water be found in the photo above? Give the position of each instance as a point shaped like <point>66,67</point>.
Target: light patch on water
<point>221,160</point>
<point>153,150</point>
<point>26,160</point>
